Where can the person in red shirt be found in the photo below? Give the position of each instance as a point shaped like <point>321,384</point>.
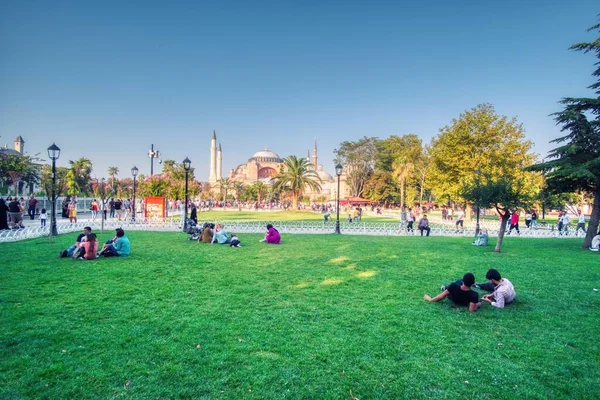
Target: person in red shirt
<point>514,222</point>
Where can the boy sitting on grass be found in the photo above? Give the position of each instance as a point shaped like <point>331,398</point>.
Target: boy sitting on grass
<point>460,293</point>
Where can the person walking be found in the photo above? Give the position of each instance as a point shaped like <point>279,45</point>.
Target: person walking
<point>514,222</point>
<point>32,207</point>
<point>460,220</point>
<point>580,223</point>
<point>94,208</point>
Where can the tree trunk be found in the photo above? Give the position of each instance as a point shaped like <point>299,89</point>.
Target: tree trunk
<point>592,228</point>
<point>501,231</point>
<point>295,201</point>
<point>401,194</point>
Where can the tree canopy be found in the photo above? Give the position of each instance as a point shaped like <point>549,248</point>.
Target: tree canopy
<point>575,163</point>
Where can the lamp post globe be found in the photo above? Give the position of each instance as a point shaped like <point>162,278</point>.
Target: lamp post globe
<point>53,154</point>
<point>338,172</point>
<point>186,167</point>
<point>134,172</point>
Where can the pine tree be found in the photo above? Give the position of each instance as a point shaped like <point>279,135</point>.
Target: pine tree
<point>575,164</point>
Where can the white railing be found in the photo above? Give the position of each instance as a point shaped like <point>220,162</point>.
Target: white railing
<point>285,227</point>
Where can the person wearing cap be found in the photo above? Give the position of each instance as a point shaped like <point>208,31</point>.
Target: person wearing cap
<point>460,293</point>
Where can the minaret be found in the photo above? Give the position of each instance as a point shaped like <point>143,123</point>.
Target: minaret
<point>19,144</point>
<point>213,158</point>
<point>315,156</point>
<point>219,163</point>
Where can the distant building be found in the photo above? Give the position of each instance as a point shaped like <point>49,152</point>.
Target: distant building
<point>265,164</point>
<point>19,150</point>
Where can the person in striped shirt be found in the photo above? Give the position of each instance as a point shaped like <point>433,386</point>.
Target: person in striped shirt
<point>503,291</point>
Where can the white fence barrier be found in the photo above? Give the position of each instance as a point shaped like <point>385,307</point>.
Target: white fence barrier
<point>297,227</point>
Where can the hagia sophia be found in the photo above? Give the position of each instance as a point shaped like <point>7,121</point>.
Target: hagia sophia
<point>265,164</point>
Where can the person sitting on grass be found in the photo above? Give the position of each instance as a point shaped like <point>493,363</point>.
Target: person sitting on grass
<point>503,290</point>
<point>482,238</point>
<point>220,236</point>
<point>235,241</point>
<point>89,248</point>
<point>82,237</point>
<point>595,243</point>
<point>119,246</point>
<point>207,233</point>
<point>272,236</point>
<point>460,293</point>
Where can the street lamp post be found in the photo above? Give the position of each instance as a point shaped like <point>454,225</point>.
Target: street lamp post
<point>53,154</point>
<point>186,166</point>
<point>134,172</point>
<point>338,172</point>
<point>478,200</point>
<point>152,154</point>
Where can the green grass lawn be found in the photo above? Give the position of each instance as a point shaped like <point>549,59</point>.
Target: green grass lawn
<point>316,317</point>
<point>283,216</point>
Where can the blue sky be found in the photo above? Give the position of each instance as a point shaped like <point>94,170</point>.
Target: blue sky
<point>104,80</point>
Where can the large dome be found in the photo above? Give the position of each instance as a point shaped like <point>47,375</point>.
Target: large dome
<point>266,155</point>
<point>324,175</point>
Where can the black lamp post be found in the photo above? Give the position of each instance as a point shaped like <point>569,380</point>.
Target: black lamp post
<point>53,154</point>
<point>152,154</point>
<point>186,166</point>
<point>134,172</point>
<point>478,200</point>
<point>338,172</point>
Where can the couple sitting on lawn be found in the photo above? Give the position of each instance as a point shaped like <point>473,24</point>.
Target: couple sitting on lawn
<point>86,246</point>
<point>460,292</point>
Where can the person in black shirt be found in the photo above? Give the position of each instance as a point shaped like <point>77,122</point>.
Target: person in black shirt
<point>3,215</point>
<point>16,213</point>
<point>459,293</point>
<point>80,238</point>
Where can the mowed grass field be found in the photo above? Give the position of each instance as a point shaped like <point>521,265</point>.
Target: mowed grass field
<point>318,317</point>
<point>214,216</point>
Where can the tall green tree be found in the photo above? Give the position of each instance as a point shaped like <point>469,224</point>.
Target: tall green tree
<point>15,168</point>
<point>575,164</point>
<point>297,176</point>
<point>225,185</point>
<point>358,159</point>
<point>81,176</point>
<point>506,189</point>
<point>261,189</point>
<point>400,155</point>
<point>478,140</point>
<point>113,172</point>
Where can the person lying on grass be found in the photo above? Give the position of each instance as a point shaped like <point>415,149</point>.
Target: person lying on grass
<point>119,246</point>
<point>503,290</point>
<point>82,237</point>
<point>460,293</point>
<point>272,236</point>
